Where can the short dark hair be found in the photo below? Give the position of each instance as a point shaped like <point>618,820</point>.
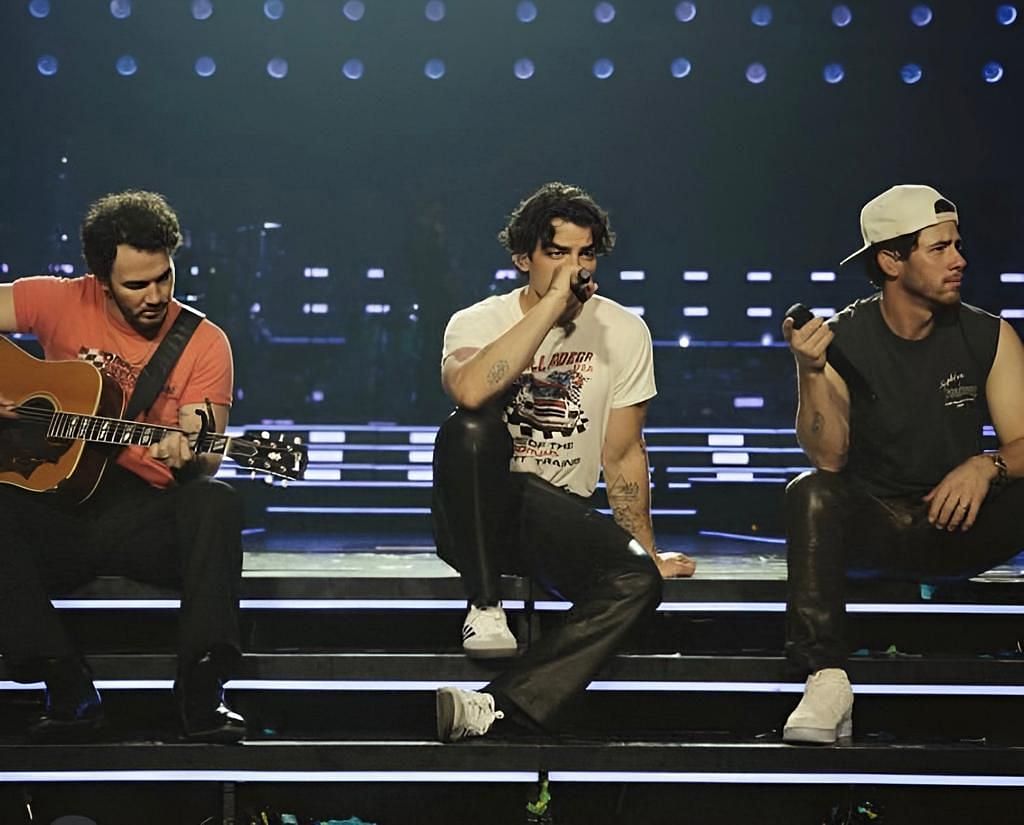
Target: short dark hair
<point>530,222</point>
<point>140,219</point>
<point>902,246</point>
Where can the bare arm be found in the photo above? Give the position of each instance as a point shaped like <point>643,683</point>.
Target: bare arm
<point>473,377</point>
<point>174,450</point>
<point>627,476</point>
<point>8,320</point>
<point>823,400</point>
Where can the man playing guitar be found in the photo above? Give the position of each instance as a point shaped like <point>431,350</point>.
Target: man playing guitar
<point>156,515</point>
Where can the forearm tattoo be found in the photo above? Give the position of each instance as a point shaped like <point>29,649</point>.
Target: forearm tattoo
<point>817,423</point>
<point>497,372</point>
<point>623,495</point>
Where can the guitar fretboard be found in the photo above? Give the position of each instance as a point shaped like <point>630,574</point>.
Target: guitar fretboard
<point>115,431</point>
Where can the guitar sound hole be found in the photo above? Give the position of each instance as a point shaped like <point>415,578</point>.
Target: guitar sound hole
<point>23,442</point>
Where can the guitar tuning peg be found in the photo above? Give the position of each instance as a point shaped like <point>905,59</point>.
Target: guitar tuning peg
<point>296,440</point>
<point>284,482</point>
<point>268,480</point>
<point>252,474</point>
<point>264,434</point>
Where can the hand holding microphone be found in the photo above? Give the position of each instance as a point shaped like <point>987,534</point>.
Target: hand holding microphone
<point>808,337</point>
<point>579,285</point>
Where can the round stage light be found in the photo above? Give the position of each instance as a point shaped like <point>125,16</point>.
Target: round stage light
<point>834,73</point>
<point>757,73</point>
<point>206,66</point>
<point>761,15</point>
<point>842,16</point>
<point>911,73</point>
<point>684,340</point>
<point>1006,14</point>
<point>39,9</point>
<point>681,67</point>
<point>354,10</point>
<point>604,68</point>
<point>434,69</point>
<point>526,12</point>
<point>202,9</point>
<point>604,12</point>
<point>126,65</point>
<point>47,65</point>
<point>273,9</point>
<point>921,16</point>
<point>686,11</point>
<point>277,68</point>
<point>434,11</point>
<point>523,68</point>
<point>993,72</point>
<point>353,69</point>
<point>121,8</point>
<point>767,340</point>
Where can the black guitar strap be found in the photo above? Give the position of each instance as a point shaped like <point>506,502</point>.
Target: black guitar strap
<point>153,376</point>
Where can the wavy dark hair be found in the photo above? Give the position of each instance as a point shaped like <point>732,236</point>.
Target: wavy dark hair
<point>140,219</point>
<point>530,222</point>
<point>902,246</point>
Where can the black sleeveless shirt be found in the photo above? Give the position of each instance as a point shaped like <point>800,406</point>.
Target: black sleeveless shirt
<point>919,410</point>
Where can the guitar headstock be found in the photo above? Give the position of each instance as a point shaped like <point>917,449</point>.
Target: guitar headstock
<point>284,456</point>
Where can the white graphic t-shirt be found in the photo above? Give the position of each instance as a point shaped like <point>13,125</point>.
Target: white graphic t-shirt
<point>558,410</point>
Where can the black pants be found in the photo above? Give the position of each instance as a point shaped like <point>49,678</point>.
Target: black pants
<point>188,537</point>
<point>489,521</point>
<point>835,531</point>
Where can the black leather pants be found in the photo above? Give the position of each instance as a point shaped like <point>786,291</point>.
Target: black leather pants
<point>488,520</point>
<point>835,531</point>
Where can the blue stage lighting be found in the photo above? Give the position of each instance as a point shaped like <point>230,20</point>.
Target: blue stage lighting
<point>434,69</point>
<point>761,15</point>
<point>202,9</point>
<point>681,67</point>
<point>757,73</point>
<point>842,16</point>
<point>834,73</point>
<point>921,15</point>
<point>354,10</point>
<point>604,68</point>
<point>523,68</point>
<point>274,9</point>
<point>39,9</point>
<point>993,72</point>
<point>1006,14</point>
<point>47,65</point>
<point>277,68</point>
<point>604,12</point>
<point>206,66</point>
<point>121,8</point>
<point>353,69</point>
<point>526,12</point>
<point>686,11</point>
<point>126,65</point>
<point>434,11</point>
<point>911,73</point>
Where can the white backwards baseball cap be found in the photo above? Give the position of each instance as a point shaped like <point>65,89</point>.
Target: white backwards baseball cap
<point>899,211</point>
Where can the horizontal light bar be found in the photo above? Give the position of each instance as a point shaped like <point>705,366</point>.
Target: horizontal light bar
<point>725,439</point>
<point>1012,313</point>
<point>632,275</point>
<point>759,276</point>
<point>1012,277</point>
<point>695,312</point>
<point>823,276</point>
<point>268,776</point>
<point>787,778</point>
<point>346,511</point>
<point>367,604</point>
<point>730,458</point>
<point>423,437</point>
<point>695,275</point>
<point>742,537</point>
<point>759,312</point>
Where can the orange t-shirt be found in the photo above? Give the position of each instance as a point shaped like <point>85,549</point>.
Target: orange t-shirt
<point>71,319</point>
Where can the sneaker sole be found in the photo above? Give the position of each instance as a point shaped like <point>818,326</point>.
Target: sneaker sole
<point>445,714</point>
<point>818,736</point>
<point>490,652</point>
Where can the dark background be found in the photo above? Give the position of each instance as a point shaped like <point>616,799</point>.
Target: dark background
<point>415,176</point>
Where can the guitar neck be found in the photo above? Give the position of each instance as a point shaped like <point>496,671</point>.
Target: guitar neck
<point>98,430</point>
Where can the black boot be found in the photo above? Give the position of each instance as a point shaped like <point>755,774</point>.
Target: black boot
<point>72,710</point>
<point>204,716</point>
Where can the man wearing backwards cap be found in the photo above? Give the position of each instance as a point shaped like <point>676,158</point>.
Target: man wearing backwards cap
<point>901,489</point>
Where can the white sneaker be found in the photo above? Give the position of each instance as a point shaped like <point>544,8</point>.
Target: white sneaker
<point>462,713</point>
<point>485,634</point>
<point>825,714</point>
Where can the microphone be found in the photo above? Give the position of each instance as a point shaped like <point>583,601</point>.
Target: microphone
<point>834,355</point>
<point>578,285</point>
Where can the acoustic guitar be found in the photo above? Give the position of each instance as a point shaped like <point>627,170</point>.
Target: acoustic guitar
<point>69,426</point>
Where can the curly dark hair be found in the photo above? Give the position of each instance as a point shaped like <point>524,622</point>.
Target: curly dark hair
<point>530,222</point>
<point>140,219</point>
